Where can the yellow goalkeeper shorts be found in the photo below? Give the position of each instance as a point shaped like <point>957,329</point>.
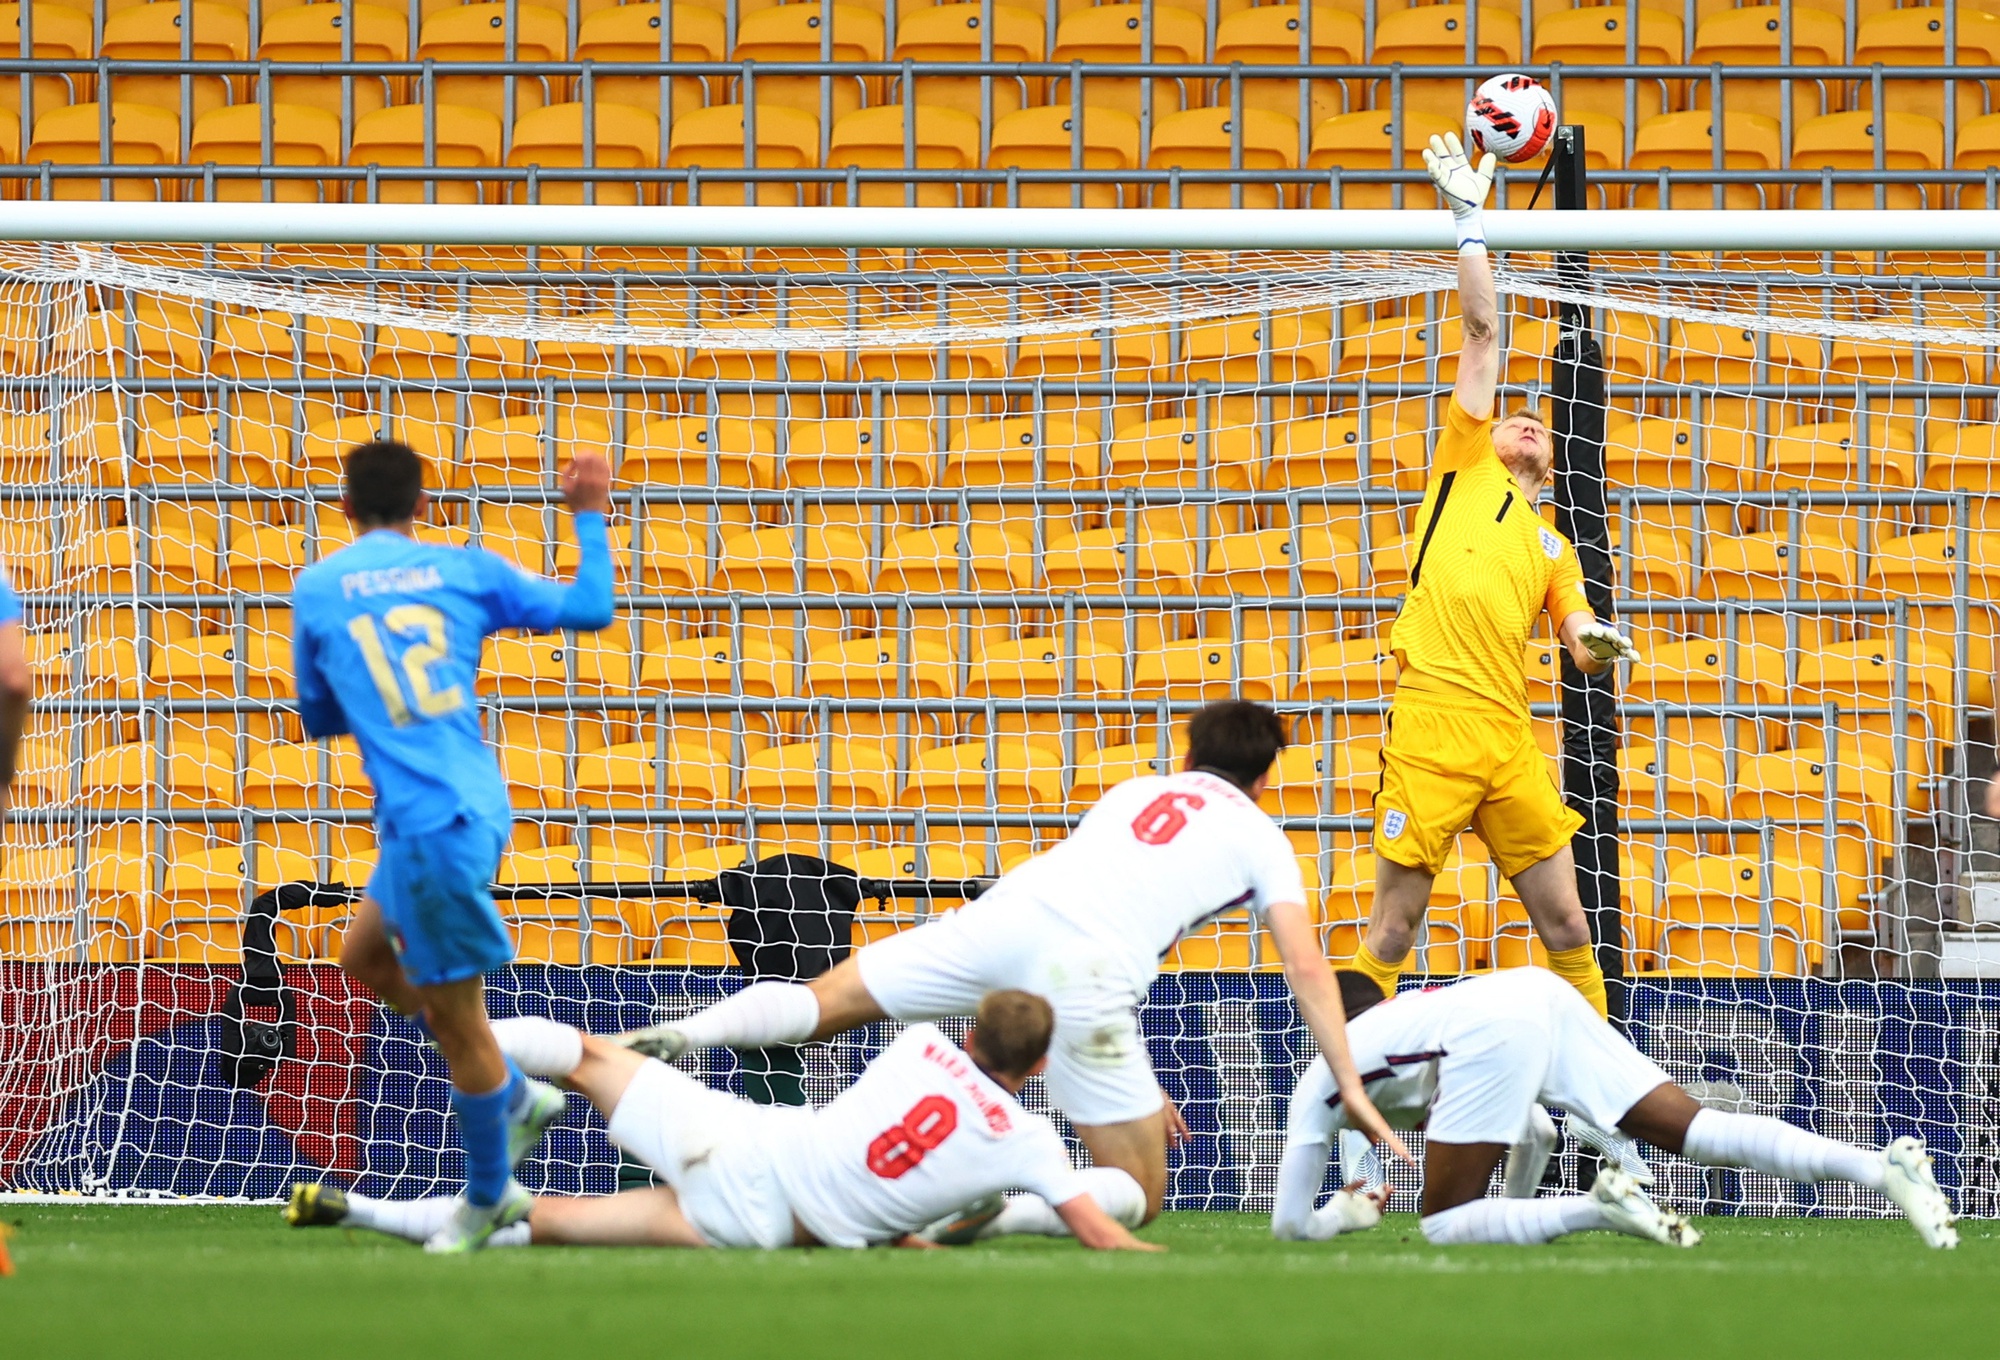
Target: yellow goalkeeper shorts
<point>1447,765</point>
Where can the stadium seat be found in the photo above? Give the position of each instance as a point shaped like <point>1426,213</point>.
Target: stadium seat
<point>552,666</point>
<point>1210,668</point>
<point>1117,354</point>
<point>1275,35</point>
<point>1602,35</point>
<point>113,561</point>
<point>799,366</point>
<point>1023,451</point>
<point>1010,777</point>
<point>1776,566</point>
<point>1667,781</point>
<point>431,420</point>
<point>480,33</point>
<point>1360,672</point>
<point>1193,454</point>
<point>897,137</point>
<point>210,668</point>
<point>1923,571</point>
<point>684,932</point>
<point>1966,459</point>
<point>1442,35</point>
<point>198,915</point>
<point>960,33</point>
<point>954,560</point>
<point>702,451</point>
<point>1046,668</point>
<point>712,667</point>
<point>1846,141</point>
<point>878,918</point>
<point>41,911</point>
<point>1895,704</point>
<point>1055,139</point>
<point>842,455</point>
<point>800,32</point>
<point>1686,141</point>
<point>1976,146</point>
<point>154,33</point>
<point>1122,563</point>
<point>138,777</point>
<point>1755,36</point>
<point>261,346</point>
<point>1837,455</point>
<point>1324,779</point>
<point>556,137</point>
<point>1715,911</point>
<point>876,670</point>
<point>1705,679</point>
<point>61,33</point>
<point>528,450</point>
<point>634,33</point>
<point>96,668</point>
<point>1208,139</point>
<point>1353,452</point>
<point>1368,141</point>
<point>1268,563</point>
<point>823,775</point>
<point>1456,934</point>
<point>299,135</point>
<point>1120,33</point>
<point>287,777</point>
<point>1113,765</point>
<point>1403,350</point>
<point>1236,941</point>
<point>1843,809</point>
<point>319,33</point>
<point>790,560</point>
<point>644,776</point>
<point>140,134</point>
<point>1629,342</point>
<point>461,138</point>
<point>1915,36</point>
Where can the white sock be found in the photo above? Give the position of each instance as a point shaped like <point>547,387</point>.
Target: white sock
<point>1517,1222</point>
<point>1760,1143</point>
<point>760,1015</point>
<point>1032,1216</point>
<point>541,1048</point>
<point>1300,1175</point>
<point>513,1235</point>
<point>415,1219</point>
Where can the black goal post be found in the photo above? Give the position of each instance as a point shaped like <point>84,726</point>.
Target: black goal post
<point>1589,703</point>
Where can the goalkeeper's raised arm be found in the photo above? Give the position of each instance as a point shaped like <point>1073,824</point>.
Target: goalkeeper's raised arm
<point>1484,567</point>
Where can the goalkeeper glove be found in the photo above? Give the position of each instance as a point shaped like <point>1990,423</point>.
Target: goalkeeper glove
<point>1464,187</point>
<point>1605,643</point>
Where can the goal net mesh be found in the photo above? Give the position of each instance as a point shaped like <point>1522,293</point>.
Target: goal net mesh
<point>917,553</point>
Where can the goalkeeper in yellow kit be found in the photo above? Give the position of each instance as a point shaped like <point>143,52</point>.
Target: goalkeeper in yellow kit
<point>1460,751</point>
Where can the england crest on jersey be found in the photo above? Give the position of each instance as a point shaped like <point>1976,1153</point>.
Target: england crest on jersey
<point>1552,547</point>
<point>1393,823</point>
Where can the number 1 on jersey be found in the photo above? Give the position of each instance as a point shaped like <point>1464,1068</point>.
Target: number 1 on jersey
<point>1162,819</point>
<point>418,657</point>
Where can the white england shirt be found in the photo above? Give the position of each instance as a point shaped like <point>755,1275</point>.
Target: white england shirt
<point>921,1134</point>
<point>1161,856</point>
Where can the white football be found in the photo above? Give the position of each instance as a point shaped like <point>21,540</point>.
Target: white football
<point>1512,116</point>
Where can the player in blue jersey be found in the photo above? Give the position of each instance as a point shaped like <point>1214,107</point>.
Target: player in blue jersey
<point>17,687</point>
<point>387,637</point>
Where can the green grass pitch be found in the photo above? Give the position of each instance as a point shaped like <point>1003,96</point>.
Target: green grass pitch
<point>217,1282</point>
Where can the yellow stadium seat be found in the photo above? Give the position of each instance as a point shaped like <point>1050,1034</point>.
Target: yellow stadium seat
<point>959,33</point>
<point>1671,782</point>
<point>1354,452</point>
<point>1237,941</point>
<point>1923,571</point>
<point>140,134</point>
<point>1456,935</point>
<point>1047,668</point>
<point>468,33</point>
<point>39,916</point>
<point>1686,141</point>
<point>618,137</point>
<point>864,454</point>
<point>284,776</point>
<point>1269,563</point>
<point>809,30</point>
<point>1441,35</point>
<point>882,917</point>
<point>878,669</point>
<point>1846,141</point>
<point>684,932</point>
<point>715,139</point>
<point>1208,139</point>
<point>262,346</point>
<point>1966,459</point>
<point>198,915</point>
<point>1772,567</point>
<point>1120,33</point>
<point>528,450</point>
<point>1356,672</point>
<point>299,137</point>
<point>1016,451</point>
<point>702,451</point>
<point>645,775</point>
<point>97,668</point>
<point>827,775</point>
<point>1275,35</point>
<point>1709,677</point>
<point>1211,668</point>
<point>461,137</point>
<point>61,33</point>
<point>899,137</point>
<point>711,667</point>
<point>1755,36</point>
<point>1114,765</point>
<point>1600,35</point>
<point>1868,675</point>
<point>1845,808</point>
<point>138,777</point>
<point>1123,354</point>
<point>1915,36</point>
<point>1055,139</point>
<point>1119,562</point>
<point>551,666</point>
<point>1834,455</point>
<point>1976,147</point>
<point>112,561</point>
<point>1007,777</point>
<point>1324,779</point>
<point>1627,340</point>
<point>569,930</point>
<point>1403,349</point>
<point>317,33</point>
<point>210,668</point>
<point>792,560</point>
<point>980,558</point>
<point>636,33</point>
<point>430,421</point>
<point>775,361</point>
<point>1367,140</point>
<point>154,33</point>
<point>1657,453</point>
<point>1191,453</point>
<point>1715,912</point>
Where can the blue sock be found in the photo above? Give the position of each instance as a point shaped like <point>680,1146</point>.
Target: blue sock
<point>482,1128</point>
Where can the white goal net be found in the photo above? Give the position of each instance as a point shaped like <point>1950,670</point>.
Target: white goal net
<point>917,552</point>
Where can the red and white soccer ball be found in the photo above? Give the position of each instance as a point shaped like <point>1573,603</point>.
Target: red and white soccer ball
<point>1512,116</point>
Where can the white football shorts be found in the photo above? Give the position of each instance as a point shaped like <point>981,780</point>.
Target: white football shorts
<point>711,1148</point>
<point>1099,1071</point>
<point>1550,1047</point>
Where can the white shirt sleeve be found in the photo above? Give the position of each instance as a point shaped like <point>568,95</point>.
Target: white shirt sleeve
<point>1042,1165</point>
<point>1274,872</point>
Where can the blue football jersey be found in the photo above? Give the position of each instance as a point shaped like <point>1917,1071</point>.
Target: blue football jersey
<point>387,640</point>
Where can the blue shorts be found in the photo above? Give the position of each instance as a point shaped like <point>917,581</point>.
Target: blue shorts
<point>437,904</point>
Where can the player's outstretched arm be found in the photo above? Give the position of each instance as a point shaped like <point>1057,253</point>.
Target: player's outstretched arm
<point>1318,995</point>
<point>1465,187</point>
<point>1097,1230</point>
<point>1595,646</point>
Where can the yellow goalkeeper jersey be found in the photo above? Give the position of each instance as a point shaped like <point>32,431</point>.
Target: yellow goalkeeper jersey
<point>1486,564</point>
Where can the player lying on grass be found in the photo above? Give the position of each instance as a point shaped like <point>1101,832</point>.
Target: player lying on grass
<point>1460,750</point>
<point>387,636</point>
<point>928,1127</point>
<point>1475,1058</point>
<point>1086,926</point>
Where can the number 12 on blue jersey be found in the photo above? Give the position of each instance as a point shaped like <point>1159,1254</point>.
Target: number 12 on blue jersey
<point>424,628</point>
